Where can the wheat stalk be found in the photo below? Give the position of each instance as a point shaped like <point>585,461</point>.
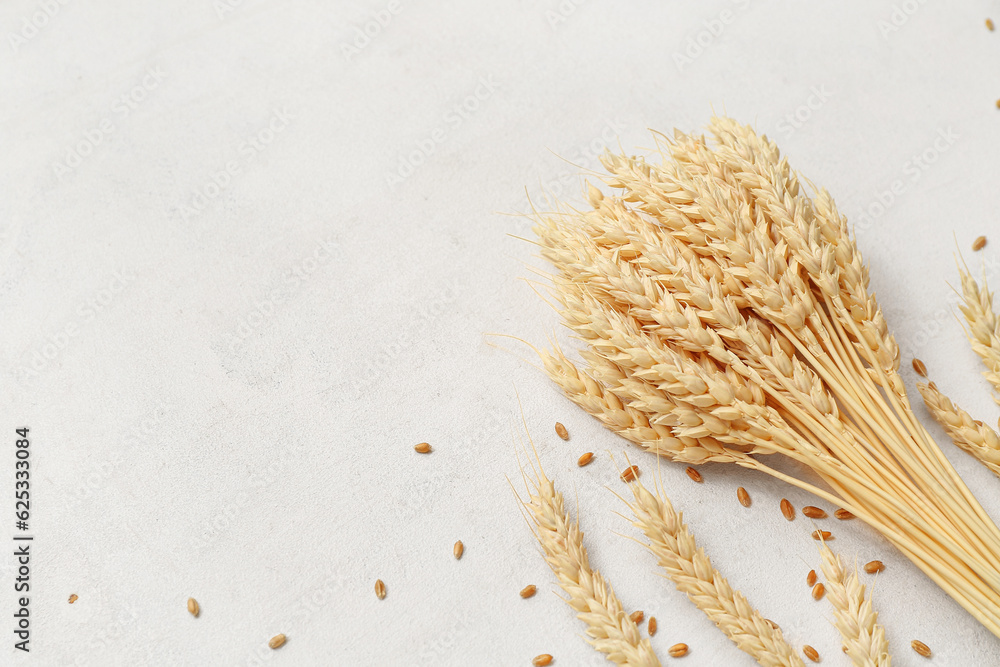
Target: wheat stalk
<point>609,629</point>
<point>726,316</point>
<point>863,637</point>
<point>970,435</point>
<point>692,572</point>
<point>983,326</point>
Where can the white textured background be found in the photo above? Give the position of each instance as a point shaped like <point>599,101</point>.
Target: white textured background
<point>224,375</point>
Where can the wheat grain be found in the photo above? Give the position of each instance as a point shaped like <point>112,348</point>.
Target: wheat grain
<point>692,573</point>
<point>73,598</point>
<point>813,512</point>
<point>743,497</point>
<point>921,648</point>
<point>561,431</point>
<point>651,626</point>
<point>787,510</point>
<point>528,591</point>
<point>694,474</point>
<point>380,589</point>
<point>818,591</point>
<point>542,660</point>
<point>843,515</point>
<point>811,578</point>
<point>810,652</point>
<point>678,650</point>
<point>979,243</point>
<point>609,630</point>
<point>854,617</point>
<point>822,535</point>
<point>968,434</point>
<point>277,641</point>
<point>983,326</point>
<point>637,616</point>
<point>630,474</point>
<point>585,459</point>
<point>458,550</point>
<point>193,607</point>
<point>422,448</point>
<point>874,567</point>
<point>919,368</point>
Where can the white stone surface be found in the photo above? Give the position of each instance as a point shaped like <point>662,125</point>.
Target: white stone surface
<point>227,317</point>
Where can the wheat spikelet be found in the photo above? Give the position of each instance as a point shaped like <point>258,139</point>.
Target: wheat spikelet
<point>692,572</point>
<point>609,629</point>
<point>983,326</point>
<point>970,435</point>
<point>855,619</point>
<point>726,315</point>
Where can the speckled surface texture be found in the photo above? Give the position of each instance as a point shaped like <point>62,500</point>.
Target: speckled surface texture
<point>249,256</point>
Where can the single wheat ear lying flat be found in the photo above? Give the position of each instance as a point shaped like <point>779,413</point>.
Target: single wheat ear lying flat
<point>692,572</point>
<point>968,434</point>
<point>854,617</point>
<point>609,630</point>
<point>983,327</point>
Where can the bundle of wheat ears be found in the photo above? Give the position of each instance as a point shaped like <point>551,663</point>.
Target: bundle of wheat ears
<point>726,316</point>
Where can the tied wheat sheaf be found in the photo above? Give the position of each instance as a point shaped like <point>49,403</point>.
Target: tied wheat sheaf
<point>726,316</point>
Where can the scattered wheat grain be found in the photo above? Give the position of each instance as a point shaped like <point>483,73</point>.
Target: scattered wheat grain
<point>73,598</point>
<point>651,626</point>
<point>818,591</point>
<point>811,578</point>
<point>678,650</point>
<point>822,535</point>
<point>637,616</point>
<point>193,607</point>
<point>458,550</point>
<point>921,648</point>
<point>813,512</point>
<point>528,591</point>
<point>843,515</point>
<point>744,497</point>
<point>694,474</point>
<point>561,431</point>
<point>630,474</point>
<point>380,589</point>
<point>979,243</point>
<point>874,566</point>
<point>810,653</point>
<point>277,641</point>
<point>542,660</point>
<point>585,459</point>
<point>919,366</point>
<point>423,448</point>
<point>787,509</point>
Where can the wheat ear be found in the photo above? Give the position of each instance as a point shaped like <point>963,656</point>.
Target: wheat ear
<point>967,433</point>
<point>857,622</point>
<point>984,326</point>
<point>692,572</point>
<point>609,629</point>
